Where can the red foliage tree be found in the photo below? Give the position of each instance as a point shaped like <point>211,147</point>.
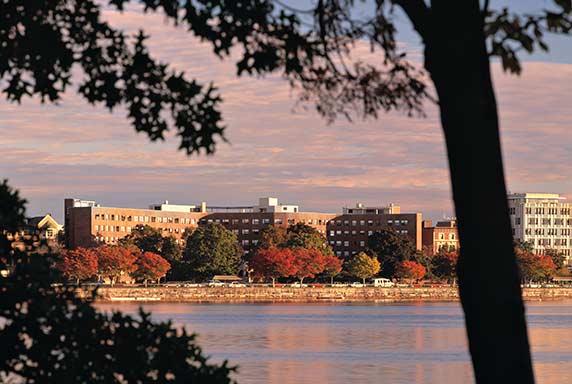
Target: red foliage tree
<point>77,264</point>
<point>150,266</point>
<point>114,262</point>
<point>308,263</point>
<point>273,263</point>
<point>410,270</point>
<point>445,265</point>
<point>332,266</point>
<point>535,267</point>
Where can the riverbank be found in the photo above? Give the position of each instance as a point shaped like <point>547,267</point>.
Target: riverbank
<point>302,295</point>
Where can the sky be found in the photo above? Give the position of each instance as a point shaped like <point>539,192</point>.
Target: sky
<point>275,148</point>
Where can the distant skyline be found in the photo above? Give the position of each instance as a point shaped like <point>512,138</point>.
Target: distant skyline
<point>77,150</point>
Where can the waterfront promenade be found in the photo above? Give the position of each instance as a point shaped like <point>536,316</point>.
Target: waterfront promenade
<point>299,295</point>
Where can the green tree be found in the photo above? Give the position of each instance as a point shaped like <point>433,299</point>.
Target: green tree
<point>149,239</point>
<point>273,236</point>
<point>444,265</point>
<point>212,249</point>
<point>391,248</point>
<point>61,338</point>
<point>312,48</point>
<point>363,266</point>
<point>306,237</point>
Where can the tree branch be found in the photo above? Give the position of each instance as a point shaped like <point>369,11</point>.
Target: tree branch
<point>418,13</point>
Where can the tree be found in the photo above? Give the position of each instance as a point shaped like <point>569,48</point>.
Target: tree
<point>149,239</point>
<point>410,270</point>
<point>363,266</point>
<point>77,264</point>
<point>150,266</point>
<point>273,263</point>
<point>306,237</point>
<point>557,257</point>
<point>313,50</point>
<point>213,250</point>
<point>391,248</point>
<point>535,267</point>
<point>54,336</point>
<point>114,262</point>
<point>445,265</point>
<point>332,266</point>
<point>273,236</point>
<point>308,263</point>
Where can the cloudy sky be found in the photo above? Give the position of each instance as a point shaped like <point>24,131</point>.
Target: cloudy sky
<point>76,150</point>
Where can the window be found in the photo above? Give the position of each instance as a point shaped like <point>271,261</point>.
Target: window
<point>245,231</point>
<point>255,221</point>
<point>245,242</point>
<point>339,243</point>
<point>354,223</point>
<point>369,233</point>
<point>362,243</point>
<point>346,243</point>
<point>256,231</point>
<point>217,221</point>
<point>235,221</point>
<point>136,218</point>
<point>235,231</point>
<point>277,221</point>
<point>176,220</point>
<point>338,232</point>
<point>97,216</point>
<point>332,233</point>
<point>128,229</point>
<point>451,236</point>
<point>517,221</point>
<point>254,242</point>
<point>265,221</point>
<point>441,236</point>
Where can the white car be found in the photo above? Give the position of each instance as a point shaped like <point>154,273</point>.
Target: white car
<point>357,285</point>
<point>298,285</point>
<point>215,283</point>
<point>383,282</point>
<point>236,284</point>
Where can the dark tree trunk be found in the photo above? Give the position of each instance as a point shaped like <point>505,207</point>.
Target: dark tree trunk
<point>489,288</point>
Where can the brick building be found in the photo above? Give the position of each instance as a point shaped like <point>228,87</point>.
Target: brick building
<point>347,233</point>
<point>443,235</point>
<point>89,224</point>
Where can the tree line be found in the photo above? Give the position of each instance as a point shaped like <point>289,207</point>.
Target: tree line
<point>282,253</point>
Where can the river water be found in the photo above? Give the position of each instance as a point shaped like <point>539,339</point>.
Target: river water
<point>358,343</point>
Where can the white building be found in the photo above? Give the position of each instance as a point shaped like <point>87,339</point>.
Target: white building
<point>542,219</point>
<point>270,204</point>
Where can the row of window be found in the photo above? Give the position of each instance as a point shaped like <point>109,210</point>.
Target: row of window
<point>547,231</point>
<point>145,219</point>
<point>115,239</point>
<point>118,228</point>
<point>346,243</point>
<point>543,211</point>
<point>442,236</point>
<point>544,221</point>
<point>338,232</point>
<point>370,223</point>
<point>549,242</point>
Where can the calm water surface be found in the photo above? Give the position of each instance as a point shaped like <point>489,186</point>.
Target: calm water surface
<point>358,343</point>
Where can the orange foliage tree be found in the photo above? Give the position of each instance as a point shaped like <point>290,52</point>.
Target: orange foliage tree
<point>150,266</point>
<point>535,267</point>
<point>308,263</point>
<point>332,266</point>
<point>77,264</point>
<point>273,263</point>
<point>114,262</point>
<point>410,270</point>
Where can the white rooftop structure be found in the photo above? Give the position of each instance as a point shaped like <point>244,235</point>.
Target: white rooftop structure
<point>361,209</point>
<point>271,204</point>
<point>166,207</point>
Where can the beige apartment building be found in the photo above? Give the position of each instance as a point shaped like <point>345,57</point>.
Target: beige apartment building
<point>88,224</point>
<point>542,219</point>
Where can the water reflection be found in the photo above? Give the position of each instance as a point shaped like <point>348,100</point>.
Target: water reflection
<point>340,343</point>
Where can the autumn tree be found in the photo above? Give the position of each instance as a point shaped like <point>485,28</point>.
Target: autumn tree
<point>557,257</point>
<point>363,266</point>
<point>213,250</point>
<point>313,49</point>
<point>150,266</point>
<point>273,263</point>
<point>114,262</point>
<point>535,267</point>
<point>410,270</point>
<point>308,263</point>
<point>445,265</point>
<point>77,264</point>
<point>332,266</point>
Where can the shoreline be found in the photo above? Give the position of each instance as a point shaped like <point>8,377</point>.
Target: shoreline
<point>296,295</point>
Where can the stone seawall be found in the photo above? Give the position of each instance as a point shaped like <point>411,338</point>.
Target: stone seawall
<point>287,294</point>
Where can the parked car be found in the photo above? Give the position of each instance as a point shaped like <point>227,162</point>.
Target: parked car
<point>191,285</point>
<point>339,285</point>
<point>357,284</point>
<point>298,285</point>
<point>215,283</point>
<point>383,282</point>
<point>236,284</point>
